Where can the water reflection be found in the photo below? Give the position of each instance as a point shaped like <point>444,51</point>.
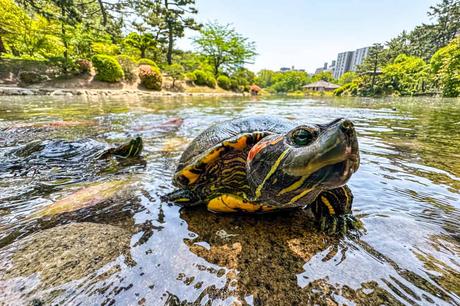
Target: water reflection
<point>406,194</point>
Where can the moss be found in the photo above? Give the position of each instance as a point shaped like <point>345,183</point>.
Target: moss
<point>107,68</point>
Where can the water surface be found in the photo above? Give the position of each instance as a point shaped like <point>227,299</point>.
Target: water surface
<point>136,249</point>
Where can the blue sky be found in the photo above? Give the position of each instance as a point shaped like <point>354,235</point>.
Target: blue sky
<point>308,33</point>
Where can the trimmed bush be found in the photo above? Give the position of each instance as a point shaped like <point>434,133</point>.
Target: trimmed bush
<point>146,61</point>
<point>129,66</point>
<point>224,82</point>
<point>150,77</point>
<point>84,66</point>
<point>30,77</point>
<point>107,68</point>
<point>203,78</point>
<point>190,76</point>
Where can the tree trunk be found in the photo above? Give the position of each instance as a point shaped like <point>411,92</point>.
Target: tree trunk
<point>142,53</point>
<point>170,35</point>
<point>170,44</point>
<point>64,40</point>
<point>2,46</point>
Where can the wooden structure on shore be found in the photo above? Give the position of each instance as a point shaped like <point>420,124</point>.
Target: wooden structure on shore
<point>321,86</point>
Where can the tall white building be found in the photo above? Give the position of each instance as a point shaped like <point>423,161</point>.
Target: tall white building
<point>358,57</point>
<point>349,61</point>
<point>342,63</point>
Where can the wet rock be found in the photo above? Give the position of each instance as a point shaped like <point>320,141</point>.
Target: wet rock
<point>84,198</point>
<point>60,255</point>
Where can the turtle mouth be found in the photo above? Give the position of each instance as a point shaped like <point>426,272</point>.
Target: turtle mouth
<point>337,174</point>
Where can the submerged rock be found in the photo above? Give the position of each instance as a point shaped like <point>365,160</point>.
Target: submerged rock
<point>59,255</point>
<point>84,198</point>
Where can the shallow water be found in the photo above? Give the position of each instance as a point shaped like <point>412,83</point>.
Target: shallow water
<point>143,251</point>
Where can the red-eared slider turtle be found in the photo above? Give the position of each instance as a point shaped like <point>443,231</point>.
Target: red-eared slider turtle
<point>261,164</point>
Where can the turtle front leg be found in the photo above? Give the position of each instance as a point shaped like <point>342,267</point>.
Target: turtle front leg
<point>332,210</point>
<point>230,203</point>
<point>183,197</point>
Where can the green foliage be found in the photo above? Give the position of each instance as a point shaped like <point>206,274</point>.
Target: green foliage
<point>176,72</point>
<point>445,65</point>
<point>350,89</point>
<point>192,61</point>
<point>324,76</point>
<point>224,82</point>
<point>289,81</point>
<point>265,78</point>
<point>84,66</point>
<point>129,66</point>
<point>107,68</point>
<point>104,48</point>
<point>407,75</point>
<point>30,77</point>
<point>347,77</point>
<point>146,61</point>
<point>150,77</point>
<point>141,42</point>
<point>225,49</point>
<point>244,77</point>
<point>203,78</point>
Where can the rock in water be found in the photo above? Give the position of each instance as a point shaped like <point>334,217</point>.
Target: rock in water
<point>84,198</point>
<point>59,255</point>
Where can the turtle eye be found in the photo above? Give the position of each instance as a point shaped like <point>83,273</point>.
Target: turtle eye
<point>303,137</point>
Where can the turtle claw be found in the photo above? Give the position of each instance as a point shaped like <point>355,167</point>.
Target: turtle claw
<point>339,224</point>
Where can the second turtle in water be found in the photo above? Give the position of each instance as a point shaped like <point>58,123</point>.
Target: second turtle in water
<point>262,164</point>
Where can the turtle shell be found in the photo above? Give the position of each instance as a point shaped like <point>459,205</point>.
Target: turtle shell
<point>219,140</point>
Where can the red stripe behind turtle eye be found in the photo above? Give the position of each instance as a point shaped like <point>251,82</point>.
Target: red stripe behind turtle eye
<point>256,149</point>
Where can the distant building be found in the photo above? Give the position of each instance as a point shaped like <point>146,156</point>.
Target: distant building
<point>286,69</point>
<point>321,86</point>
<point>358,57</point>
<point>343,63</point>
<point>349,61</point>
<point>321,69</point>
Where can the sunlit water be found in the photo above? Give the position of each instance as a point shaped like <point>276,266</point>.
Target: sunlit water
<point>136,249</point>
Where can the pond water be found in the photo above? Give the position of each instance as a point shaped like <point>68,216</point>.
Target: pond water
<point>132,248</point>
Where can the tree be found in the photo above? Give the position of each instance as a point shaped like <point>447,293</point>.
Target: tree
<point>347,77</point>
<point>265,78</point>
<point>176,72</point>
<point>290,81</point>
<point>324,76</point>
<point>141,42</point>
<point>407,75</point>
<point>224,47</point>
<point>176,22</point>
<point>371,64</point>
<point>445,66</point>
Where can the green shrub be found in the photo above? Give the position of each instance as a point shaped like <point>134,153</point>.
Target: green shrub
<point>107,68</point>
<point>224,82</point>
<point>30,77</point>
<point>150,77</point>
<point>175,71</point>
<point>104,48</point>
<point>84,66</point>
<point>347,89</point>
<point>146,61</point>
<point>234,85</point>
<point>203,78</point>
<point>190,76</point>
<point>128,64</point>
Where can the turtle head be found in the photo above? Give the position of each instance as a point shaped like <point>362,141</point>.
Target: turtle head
<point>307,158</point>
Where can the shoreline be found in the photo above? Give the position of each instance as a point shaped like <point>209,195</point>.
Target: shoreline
<point>53,91</point>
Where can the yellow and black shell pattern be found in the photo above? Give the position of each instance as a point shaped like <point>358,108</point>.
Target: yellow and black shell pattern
<point>224,142</point>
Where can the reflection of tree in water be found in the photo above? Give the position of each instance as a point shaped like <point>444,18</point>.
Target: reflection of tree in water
<point>264,254</point>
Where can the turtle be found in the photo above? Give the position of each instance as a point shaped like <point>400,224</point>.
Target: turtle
<point>63,153</point>
<point>262,164</point>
